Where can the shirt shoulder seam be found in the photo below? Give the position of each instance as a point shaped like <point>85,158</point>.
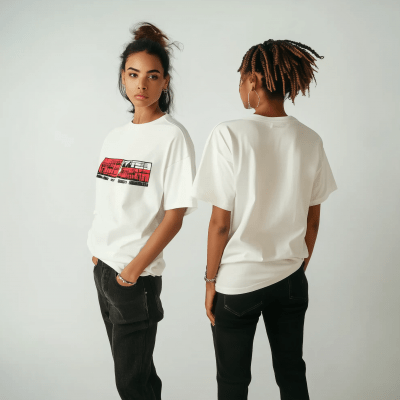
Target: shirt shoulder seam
<point>182,159</point>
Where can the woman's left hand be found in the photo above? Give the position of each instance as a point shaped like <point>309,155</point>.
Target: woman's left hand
<point>210,295</point>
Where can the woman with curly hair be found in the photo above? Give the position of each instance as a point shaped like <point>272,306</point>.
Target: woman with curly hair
<point>266,176</point>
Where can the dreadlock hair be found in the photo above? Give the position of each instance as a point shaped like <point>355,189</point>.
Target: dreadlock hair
<point>148,38</point>
<point>286,67</point>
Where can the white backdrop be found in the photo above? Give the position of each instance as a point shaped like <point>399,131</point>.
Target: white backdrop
<point>59,99</point>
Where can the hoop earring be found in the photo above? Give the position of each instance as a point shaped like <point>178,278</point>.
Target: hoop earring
<point>248,100</point>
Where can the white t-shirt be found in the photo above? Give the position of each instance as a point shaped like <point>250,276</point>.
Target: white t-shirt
<point>267,171</point>
<point>143,170</point>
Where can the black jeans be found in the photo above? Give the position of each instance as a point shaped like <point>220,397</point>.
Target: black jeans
<point>131,314</point>
<point>283,306</point>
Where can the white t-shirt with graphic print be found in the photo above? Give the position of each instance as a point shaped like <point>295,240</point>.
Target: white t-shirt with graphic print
<point>143,170</point>
<point>267,171</point>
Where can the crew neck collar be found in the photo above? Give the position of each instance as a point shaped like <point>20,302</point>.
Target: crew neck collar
<point>264,118</point>
<point>132,125</point>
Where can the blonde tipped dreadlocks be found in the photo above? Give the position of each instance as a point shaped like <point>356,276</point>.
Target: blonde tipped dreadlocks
<point>291,59</point>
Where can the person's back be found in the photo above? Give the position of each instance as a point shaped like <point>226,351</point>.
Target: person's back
<point>274,164</point>
<point>266,176</point>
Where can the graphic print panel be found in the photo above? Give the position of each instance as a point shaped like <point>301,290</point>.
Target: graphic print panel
<point>132,172</point>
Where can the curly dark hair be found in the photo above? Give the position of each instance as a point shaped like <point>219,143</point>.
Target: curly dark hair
<point>293,62</point>
<point>148,38</point>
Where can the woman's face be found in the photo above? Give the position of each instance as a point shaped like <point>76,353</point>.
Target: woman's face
<point>143,78</point>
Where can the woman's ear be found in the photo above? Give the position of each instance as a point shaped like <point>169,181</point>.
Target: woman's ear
<point>123,76</point>
<point>167,79</point>
<point>253,82</point>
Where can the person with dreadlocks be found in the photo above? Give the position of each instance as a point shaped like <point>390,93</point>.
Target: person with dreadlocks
<point>266,176</point>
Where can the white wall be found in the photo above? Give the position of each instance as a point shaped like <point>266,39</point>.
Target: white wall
<point>59,99</point>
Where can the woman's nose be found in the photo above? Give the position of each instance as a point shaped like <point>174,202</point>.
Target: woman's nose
<point>142,84</point>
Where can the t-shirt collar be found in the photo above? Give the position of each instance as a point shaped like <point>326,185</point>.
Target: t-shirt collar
<point>263,118</point>
<point>130,124</point>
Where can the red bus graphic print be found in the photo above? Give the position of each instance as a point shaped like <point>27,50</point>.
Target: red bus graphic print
<point>131,172</point>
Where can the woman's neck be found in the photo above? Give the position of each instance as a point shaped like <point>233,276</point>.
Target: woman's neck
<point>271,108</point>
<point>144,115</point>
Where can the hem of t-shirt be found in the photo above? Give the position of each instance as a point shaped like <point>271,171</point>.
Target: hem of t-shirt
<point>189,207</point>
<point>258,285</point>
<point>204,197</point>
<point>118,268</point>
<point>322,199</point>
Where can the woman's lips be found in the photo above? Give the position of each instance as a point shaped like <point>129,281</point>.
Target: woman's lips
<point>140,97</point>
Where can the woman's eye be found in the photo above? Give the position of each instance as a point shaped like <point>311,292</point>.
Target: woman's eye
<point>153,77</point>
<point>135,75</point>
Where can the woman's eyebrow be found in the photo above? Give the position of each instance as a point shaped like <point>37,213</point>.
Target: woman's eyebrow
<point>152,70</point>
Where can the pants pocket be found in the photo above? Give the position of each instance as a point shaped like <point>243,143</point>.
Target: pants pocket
<point>127,303</point>
<point>241,304</point>
<point>156,285</point>
<point>298,284</point>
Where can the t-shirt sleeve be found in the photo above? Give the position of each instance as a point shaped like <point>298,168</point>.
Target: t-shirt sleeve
<point>214,182</point>
<point>178,180</point>
<point>324,182</point>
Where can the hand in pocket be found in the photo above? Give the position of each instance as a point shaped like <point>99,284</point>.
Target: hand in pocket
<point>122,283</point>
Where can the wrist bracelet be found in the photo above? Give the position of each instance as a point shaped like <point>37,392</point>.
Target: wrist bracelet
<point>210,280</point>
<point>123,280</point>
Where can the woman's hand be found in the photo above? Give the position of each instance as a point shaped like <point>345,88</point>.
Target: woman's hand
<point>95,260</point>
<point>122,283</point>
<point>210,294</point>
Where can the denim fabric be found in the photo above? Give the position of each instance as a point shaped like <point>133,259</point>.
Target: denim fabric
<point>283,306</point>
<point>131,314</point>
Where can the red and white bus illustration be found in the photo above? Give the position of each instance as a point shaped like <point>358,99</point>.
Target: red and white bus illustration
<point>132,172</point>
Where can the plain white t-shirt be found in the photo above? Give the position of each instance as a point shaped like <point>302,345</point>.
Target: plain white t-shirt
<point>143,170</point>
<point>267,171</point>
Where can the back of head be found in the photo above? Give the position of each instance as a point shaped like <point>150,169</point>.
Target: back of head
<point>286,67</point>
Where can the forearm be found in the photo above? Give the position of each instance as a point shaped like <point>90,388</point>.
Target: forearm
<point>310,239</point>
<point>156,243</point>
<point>217,240</point>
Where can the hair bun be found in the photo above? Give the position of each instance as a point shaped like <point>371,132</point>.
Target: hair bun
<point>145,30</point>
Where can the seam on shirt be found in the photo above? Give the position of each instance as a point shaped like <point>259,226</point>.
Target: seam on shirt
<point>186,137</point>
<point>319,167</point>
<point>184,158</point>
<point>215,132</point>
